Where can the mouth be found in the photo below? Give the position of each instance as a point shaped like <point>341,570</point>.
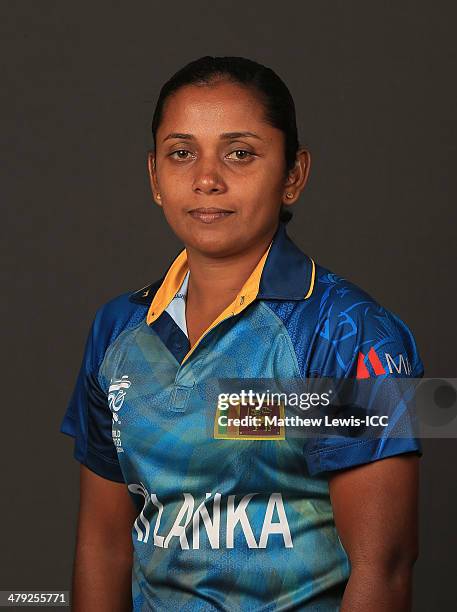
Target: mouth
<point>210,215</point>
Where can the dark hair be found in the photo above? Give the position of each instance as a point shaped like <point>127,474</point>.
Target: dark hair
<point>275,96</point>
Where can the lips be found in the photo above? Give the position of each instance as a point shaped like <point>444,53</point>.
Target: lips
<point>210,215</point>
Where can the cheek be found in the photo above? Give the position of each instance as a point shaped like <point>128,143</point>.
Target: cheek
<point>171,184</point>
<point>265,186</point>
<point>261,174</point>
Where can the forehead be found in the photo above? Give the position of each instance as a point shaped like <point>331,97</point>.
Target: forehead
<point>214,108</point>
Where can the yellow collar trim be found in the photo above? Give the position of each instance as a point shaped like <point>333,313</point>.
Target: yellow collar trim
<point>175,277</point>
<point>246,295</point>
<point>313,278</point>
<point>169,287</point>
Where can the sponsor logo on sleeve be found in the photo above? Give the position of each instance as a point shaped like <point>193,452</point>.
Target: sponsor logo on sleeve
<point>394,365</point>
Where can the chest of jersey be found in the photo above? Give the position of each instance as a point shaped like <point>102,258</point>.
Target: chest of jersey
<point>200,494</point>
<point>165,413</point>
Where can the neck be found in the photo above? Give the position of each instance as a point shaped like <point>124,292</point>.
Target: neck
<point>219,279</point>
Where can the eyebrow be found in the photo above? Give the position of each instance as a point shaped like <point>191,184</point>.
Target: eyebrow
<point>224,136</point>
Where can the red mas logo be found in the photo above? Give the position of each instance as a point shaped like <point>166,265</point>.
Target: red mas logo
<point>399,364</point>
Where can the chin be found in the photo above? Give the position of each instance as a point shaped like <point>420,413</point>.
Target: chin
<point>214,242</point>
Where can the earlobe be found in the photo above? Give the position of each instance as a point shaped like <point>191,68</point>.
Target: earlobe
<point>158,199</point>
<point>297,178</point>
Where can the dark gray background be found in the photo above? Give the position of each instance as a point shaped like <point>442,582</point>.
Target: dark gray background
<point>374,86</point>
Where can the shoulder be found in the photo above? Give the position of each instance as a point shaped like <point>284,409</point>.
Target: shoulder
<point>365,338</point>
<point>120,313</point>
<point>344,303</point>
<point>338,302</point>
<point>343,330</point>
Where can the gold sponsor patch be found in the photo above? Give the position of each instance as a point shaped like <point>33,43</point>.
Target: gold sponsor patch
<point>248,422</point>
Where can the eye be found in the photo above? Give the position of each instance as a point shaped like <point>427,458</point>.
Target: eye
<point>179,151</point>
<point>245,154</point>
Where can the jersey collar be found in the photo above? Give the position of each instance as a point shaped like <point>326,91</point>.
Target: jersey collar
<point>284,272</point>
<point>289,273</point>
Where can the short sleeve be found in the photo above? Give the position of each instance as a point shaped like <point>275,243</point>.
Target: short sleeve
<point>88,418</point>
<point>381,347</point>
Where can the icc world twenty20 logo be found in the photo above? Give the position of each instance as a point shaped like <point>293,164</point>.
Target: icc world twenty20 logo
<point>116,395</point>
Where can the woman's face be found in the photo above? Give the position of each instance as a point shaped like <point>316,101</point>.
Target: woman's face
<point>219,168</point>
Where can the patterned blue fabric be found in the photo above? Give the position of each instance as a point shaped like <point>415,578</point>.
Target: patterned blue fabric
<point>233,524</point>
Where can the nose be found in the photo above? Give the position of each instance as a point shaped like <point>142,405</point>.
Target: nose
<point>208,178</point>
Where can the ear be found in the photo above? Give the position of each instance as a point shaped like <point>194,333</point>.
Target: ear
<point>297,177</point>
<point>153,178</point>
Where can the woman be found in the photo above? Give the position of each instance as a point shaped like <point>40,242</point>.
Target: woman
<point>226,517</point>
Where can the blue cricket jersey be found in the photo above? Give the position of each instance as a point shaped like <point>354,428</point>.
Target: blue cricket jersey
<point>226,522</point>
